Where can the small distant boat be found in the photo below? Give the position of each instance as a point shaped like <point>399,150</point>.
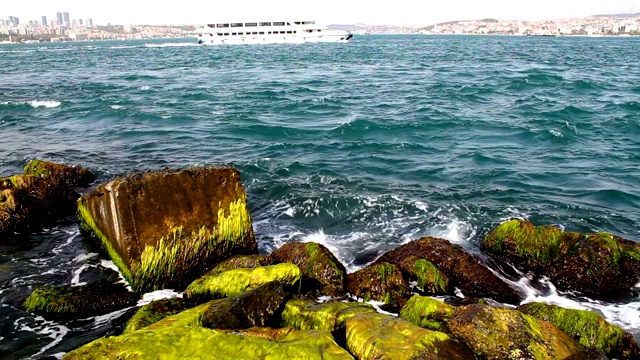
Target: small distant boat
<point>546,33</point>
<point>268,32</point>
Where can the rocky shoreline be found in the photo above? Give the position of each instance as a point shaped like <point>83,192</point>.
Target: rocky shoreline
<point>190,230</point>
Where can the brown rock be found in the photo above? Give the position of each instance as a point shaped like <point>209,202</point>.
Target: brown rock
<point>381,282</point>
<point>68,175</point>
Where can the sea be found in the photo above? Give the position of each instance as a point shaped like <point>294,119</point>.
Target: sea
<point>361,146</point>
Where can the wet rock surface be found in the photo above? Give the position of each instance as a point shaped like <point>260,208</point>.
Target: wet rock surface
<point>156,311</point>
<point>64,174</point>
<point>241,262</point>
<point>427,313</point>
<point>380,282</point>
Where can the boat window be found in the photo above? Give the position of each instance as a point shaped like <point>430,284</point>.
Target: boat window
<point>261,32</point>
<point>289,32</point>
<point>265,24</point>
<point>211,25</point>
<point>219,34</point>
<point>240,33</point>
<point>288,24</point>
<point>234,33</point>
<point>297,22</point>
<point>236,24</point>
<point>223,25</point>
<point>210,34</point>
<point>281,32</point>
<point>278,23</point>
<point>254,33</point>
<point>295,32</point>
<point>250,24</point>
<point>226,34</point>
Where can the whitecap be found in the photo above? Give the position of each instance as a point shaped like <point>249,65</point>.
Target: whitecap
<point>44,103</point>
<point>116,107</point>
<point>144,87</point>
<point>158,295</point>
<point>556,133</point>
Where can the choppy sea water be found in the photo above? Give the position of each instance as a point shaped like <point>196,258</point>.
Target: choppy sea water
<point>361,146</point>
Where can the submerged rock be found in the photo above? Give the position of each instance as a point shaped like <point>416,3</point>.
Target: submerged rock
<point>68,175</point>
<point>87,300</point>
<point>598,265</point>
<point>156,311</point>
<point>381,282</point>
<point>331,316</point>
<point>320,268</point>
<point>28,203</point>
<point>259,307</point>
<point>192,342</point>
<point>241,261</point>
<point>463,270</point>
<point>588,327</point>
<point>237,281</point>
<point>427,313</point>
<point>164,229</point>
<point>378,336</point>
<point>495,333</point>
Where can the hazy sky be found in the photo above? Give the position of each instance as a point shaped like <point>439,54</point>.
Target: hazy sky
<point>327,11</point>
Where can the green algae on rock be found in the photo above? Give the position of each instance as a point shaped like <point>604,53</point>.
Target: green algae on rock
<point>156,311</point>
<point>427,313</point>
<point>427,276</point>
<point>381,282</point>
<point>188,317</point>
<point>241,261</point>
<point>378,336</point>
<point>320,268</point>
<point>330,316</point>
<point>498,333</point>
<point>598,265</point>
<point>259,307</point>
<point>91,299</point>
<point>588,327</point>
<point>164,229</point>
<point>192,342</point>
<point>463,269</point>
<point>68,175</point>
<point>237,281</point>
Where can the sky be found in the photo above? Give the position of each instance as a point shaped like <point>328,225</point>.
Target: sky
<point>399,12</point>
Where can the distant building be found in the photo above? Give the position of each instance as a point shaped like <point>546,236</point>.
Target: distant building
<point>74,24</point>
<point>89,23</point>
<point>44,21</point>
<point>65,18</point>
<point>14,20</point>
<point>128,28</point>
<point>59,19</point>
<point>80,22</point>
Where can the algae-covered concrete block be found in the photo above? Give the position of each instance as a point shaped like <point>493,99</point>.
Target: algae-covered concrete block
<point>164,229</point>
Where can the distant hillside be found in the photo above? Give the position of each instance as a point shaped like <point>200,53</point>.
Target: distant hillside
<point>618,15</point>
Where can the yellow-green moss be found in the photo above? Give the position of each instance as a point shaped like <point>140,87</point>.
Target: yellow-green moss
<point>50,299</point>
<point>154,312</point>
<point>237,281</point>
<point>189,317</point>
<point>36,168</point>
<point>427,312</point>
<point>429,277</point>
<point>588,327</point>
<point>89,225</point>
<point>307,315</point>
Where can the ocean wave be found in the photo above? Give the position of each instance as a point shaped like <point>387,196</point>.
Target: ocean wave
<point>34,103</point>
<point>171,45</point>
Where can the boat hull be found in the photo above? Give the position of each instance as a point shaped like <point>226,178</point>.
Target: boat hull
<point>276,39</point>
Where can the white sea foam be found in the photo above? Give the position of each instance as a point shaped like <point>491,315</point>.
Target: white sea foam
<point>75,279</point>
<point>110,265</point>
<point>556,133</point>
<point>144,87</point>
<point>158,295</point>
<point>116,107</point>
<point>42,327</point>
<point>44,103</point>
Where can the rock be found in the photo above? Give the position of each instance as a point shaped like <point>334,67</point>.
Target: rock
<point>68,175</point>
<point>164,229</point>
<point>588,327</point>
<point>237,281</point>
<point>427,313</point>
<point>28,203</point>
<point>192,342</point>
<point>189,317</point>
<point>588,354</point>
<point>156,311</point>
<point>463,269</point>
<point>428,278</point>
<point>320,268</point>
<point>378,336</point>
<point>598,265</point>
<point>259,307</point>
<point>87,300</point>
<point>495,333</point>
<point>330,316</point>
<point>381,282</point>
<point>241,261</point>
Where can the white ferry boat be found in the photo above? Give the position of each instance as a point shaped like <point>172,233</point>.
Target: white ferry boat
<point>268,32</point>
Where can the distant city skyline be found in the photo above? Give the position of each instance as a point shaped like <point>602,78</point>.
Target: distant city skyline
<point>328,11</point>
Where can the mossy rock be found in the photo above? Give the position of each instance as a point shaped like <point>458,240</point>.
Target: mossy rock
<point>165,229</point>
<point>92,299</point>
<point>156,311</point>
<point>321,271</point>
<point>427,313</point>
<point>428,278</point>
<point>588,354</point>
<point>188,317</point>
<point>259,307</point>
<point>598,265</point>
<point>237,281</point>
<point>378,336</point>
<point>27,203</point>
<point>463,269</point>
<point>241,261</point>
<point>68,175</point>
<point>192,342</point>
<point>330,316</point>
<point>588,327</point>
<point>498,333</point>
<point>380,282</point>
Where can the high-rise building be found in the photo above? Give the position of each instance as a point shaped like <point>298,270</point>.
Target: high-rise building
<point>65,16</point>
<point>80,22</point>
<point>89,23</point>
<point>14,20</point>
<point>44,21</point>
<point>59,18</point>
